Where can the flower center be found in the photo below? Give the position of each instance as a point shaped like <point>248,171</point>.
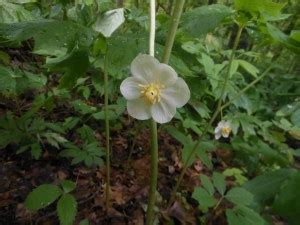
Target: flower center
<point>151,92</point>
<point>226,131</point>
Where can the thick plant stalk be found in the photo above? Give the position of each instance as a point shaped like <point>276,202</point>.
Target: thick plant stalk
<point>172,31</point>
<point>150,215</point>
<point>154,171</point>
<point>107,135</point>
<point>212,119</point>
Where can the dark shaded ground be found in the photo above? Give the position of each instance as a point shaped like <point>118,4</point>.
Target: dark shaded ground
<point>20,174</point>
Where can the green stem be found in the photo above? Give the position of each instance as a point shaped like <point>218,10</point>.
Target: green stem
<point>150,215</point>
<point>154,172</point>
<point>107,135</point>
<point>214,116</point>
<point>172,31</point>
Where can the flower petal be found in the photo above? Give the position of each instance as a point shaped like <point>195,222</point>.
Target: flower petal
<point>222,124</point>
<point>217,129</point>
<point>178,94</point>
<point>143,67</point>
<point>165,74</point>
<point>218,135</point>
<point>163,112</point>
<point>130,88</point>
<point>139,109</point>
<point>227,124</point>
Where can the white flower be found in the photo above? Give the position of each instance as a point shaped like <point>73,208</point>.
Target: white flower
<point>154,90</point>
<point>223,129</point>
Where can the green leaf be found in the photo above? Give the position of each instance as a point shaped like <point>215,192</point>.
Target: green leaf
<point>295,118</point>
<point>248,67</point>
<point>284,39</point>
<point>74,64</point>
<point>243,215</point>
<point>66,209</point>
<point>264,187</point>
<point>12,13</point>
<point>287,202</point>
<point>207,184</point>
<point>42,196</point>
<point>178,135</point>
<point>267,8</point>
<point>219,182</point>
<point>108,23</point>
<point>68,186</point>
<point>204,19</point>
<point>234,67</point>
<point>239,196</point>
<point>36,150</point>
<point>202,154</point>
<point>51,37</point>
<point>204,198</point>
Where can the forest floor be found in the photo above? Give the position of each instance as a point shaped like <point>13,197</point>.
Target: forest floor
<point>129,183</point>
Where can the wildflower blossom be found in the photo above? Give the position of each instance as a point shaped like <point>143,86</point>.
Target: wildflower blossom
<point>223,129</point>
<point>154,90</point>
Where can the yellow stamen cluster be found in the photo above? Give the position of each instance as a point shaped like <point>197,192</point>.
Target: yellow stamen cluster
<point>226,131</point>
<point>151,92</point>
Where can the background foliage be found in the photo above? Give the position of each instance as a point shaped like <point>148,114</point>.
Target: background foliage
<point>51,88</point>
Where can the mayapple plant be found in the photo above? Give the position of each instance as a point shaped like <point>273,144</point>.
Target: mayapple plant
<point>155,91</point>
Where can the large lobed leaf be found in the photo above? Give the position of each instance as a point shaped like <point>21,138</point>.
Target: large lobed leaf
<point>53,38</point>
<point>204,19</point>
<point>287,202</point>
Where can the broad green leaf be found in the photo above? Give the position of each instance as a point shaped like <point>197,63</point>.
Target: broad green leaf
<point>295,118</point>
<point>284,39</point>
<point>287,201</point>
<point>219,182</point>
<point>74,64</point>
<point>109,22</point>
<point>248,67</point>
<point>204,199</point>
<point>68,186</point>
<point>264,187</point>
<point>204,19</point>
<point>66,209</point>
<point>13,13</point>
<point>42,196</point>
<point>239,196</point>
<point>52,38</point>
<point>243,215</point>
<point>207,184</point>
<point>267,8</point>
